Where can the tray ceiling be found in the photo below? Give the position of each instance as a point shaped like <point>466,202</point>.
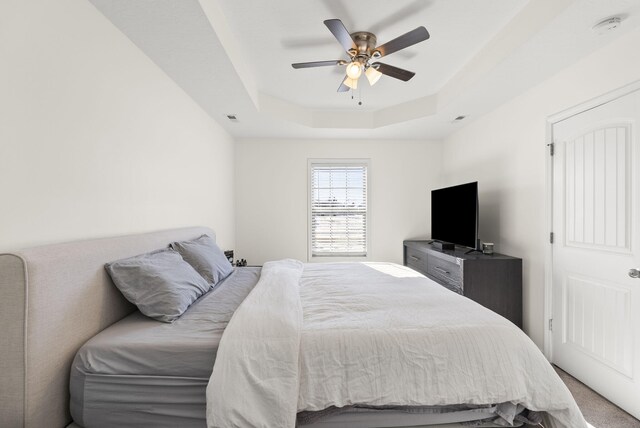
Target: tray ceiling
<point>235,56</point>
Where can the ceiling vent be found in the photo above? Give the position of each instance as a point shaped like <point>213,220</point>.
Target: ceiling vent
<point>232,117</point>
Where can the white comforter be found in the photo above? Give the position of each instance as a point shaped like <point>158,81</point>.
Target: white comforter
<point>375,334</point>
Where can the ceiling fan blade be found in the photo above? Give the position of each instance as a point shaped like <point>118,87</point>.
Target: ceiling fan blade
<point>418,35</point>
<point>318,63</point>
<point>343,87</point>
<point>395,72</point>
<point>339,31</point>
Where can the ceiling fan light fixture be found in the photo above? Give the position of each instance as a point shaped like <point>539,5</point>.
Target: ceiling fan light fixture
<point>373,75</point>
<point>354,70</point>
<point>351,83</point>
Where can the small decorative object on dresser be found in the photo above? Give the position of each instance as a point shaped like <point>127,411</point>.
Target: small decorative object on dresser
<point>487,247</point>
<point>229,255</point>
<point>494,281</point>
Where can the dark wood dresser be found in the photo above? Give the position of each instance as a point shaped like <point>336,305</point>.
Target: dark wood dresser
<point>494,281</point>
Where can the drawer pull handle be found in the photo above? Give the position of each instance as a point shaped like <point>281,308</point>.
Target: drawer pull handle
<point>414,258</point>
<point>439,269</point>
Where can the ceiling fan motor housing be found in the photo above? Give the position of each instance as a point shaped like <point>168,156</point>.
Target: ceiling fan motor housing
<point>365,43</point>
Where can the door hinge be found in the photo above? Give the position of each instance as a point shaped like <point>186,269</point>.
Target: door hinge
<point>551,237</point>
<point>552,148</point>
<point>550,324</point>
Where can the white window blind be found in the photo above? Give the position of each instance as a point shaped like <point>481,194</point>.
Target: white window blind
<point>338,209</point>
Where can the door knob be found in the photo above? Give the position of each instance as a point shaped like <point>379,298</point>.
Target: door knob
<point>634,273</point>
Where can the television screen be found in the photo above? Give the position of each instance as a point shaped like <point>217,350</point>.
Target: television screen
<point>454,214</point>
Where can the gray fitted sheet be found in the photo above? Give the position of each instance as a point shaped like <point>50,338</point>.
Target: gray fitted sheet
<point>148,373</point>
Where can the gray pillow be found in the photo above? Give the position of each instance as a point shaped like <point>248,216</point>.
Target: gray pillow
<point>161,284</point>
<point>205,257</point>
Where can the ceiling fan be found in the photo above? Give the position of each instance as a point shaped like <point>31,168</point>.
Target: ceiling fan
<point>362,51</point>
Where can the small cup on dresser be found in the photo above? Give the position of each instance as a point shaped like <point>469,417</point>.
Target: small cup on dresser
<point>487,247</point>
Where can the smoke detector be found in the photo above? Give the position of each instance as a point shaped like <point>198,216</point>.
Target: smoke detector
<point>606,25</point>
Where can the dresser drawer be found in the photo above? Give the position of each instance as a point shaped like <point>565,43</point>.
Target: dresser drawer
<point>455,287</point>
<point>416,259</point>
<point>449,272</point>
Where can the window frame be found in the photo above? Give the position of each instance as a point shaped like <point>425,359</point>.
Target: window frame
<point>311,162</point>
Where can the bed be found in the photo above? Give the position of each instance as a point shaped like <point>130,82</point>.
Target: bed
<point>57,298</point>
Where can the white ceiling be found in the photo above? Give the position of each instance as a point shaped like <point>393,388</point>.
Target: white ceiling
<point>235,56</point>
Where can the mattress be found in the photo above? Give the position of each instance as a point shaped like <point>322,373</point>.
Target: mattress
<point>142,372</point>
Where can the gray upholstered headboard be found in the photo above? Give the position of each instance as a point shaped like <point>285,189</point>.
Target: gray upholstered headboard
<point>52,300</point>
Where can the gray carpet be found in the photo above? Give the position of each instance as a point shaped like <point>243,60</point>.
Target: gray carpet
<point>597,410</point>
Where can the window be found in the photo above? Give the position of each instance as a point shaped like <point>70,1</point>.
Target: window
<point>338,208</point>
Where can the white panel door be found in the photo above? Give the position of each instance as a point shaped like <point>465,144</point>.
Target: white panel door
<point>596,225</point>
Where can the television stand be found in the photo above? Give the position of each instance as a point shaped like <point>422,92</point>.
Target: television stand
<point>472,250</point>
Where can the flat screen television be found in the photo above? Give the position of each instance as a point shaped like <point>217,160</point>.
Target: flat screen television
<point>454,215</point>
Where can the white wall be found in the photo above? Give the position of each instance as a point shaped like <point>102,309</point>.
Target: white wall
<point>505,151</point>
<point>95,140</point>
<point>272,192</point>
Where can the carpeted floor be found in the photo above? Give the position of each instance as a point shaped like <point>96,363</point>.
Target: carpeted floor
<point>597,410</point>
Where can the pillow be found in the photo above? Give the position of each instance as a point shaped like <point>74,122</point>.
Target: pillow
<point>205,257</point>
<point>161,284</point>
